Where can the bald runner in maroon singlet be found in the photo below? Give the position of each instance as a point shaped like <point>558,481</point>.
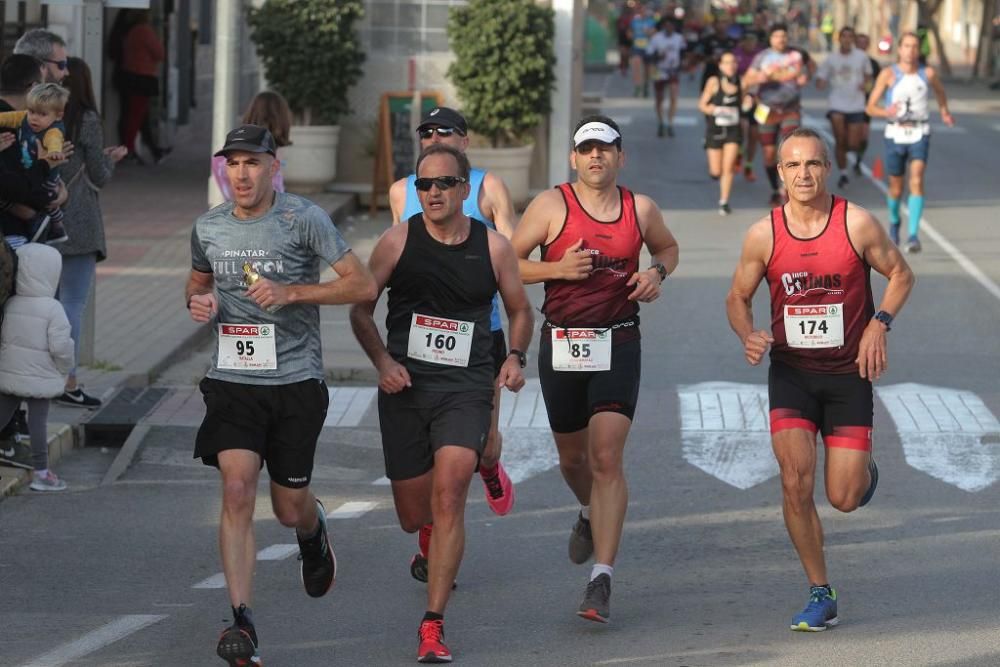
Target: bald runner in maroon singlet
<point>827,342</point>
<point>590,233</point>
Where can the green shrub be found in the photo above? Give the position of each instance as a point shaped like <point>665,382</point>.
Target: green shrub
<point>311,54</point>
<point>503,68</point>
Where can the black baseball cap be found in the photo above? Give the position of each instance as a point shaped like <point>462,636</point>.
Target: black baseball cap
<point>250,138</point>
<point>445,117</point>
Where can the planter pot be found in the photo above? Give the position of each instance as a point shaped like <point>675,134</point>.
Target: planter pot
<point>513,165</point>
<point>311,160</point>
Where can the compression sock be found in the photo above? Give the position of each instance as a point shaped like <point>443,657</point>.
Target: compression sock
<point>893,204</point>
<point>772,176</point>
<point>916,205</point>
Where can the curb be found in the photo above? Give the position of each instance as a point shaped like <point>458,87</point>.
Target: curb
<point>62,438</point>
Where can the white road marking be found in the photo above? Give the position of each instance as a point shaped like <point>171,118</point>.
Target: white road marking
<point>997,127</point>
<point>215,581</point>
<point>277,552</point>
<point>95,640</point>
<point>348,405</point>
<point>725,431</point>
<point>528,452</point>
<point>352,509</point>
<point>960,258</point>
<point>942,433</point>
<point>382,481</point>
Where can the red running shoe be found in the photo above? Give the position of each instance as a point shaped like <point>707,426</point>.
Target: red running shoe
<point>432,648</point>
<point>499,491</point>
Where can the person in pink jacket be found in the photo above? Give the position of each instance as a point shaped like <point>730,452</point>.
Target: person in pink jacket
<point>36,354</point>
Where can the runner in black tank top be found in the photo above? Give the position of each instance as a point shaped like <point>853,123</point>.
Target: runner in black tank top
<point>436,376</point>
<point>816,253</point>
<point>720,102</point>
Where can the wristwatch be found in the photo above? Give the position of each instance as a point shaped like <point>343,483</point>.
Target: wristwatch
<point>885,318</point>
<point>520,357</point>
<point>660,269</point>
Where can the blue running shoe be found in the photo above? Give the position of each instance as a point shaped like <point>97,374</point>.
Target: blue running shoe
<point>820,612</point>
<point>873,471</point>
<point>894,233</point>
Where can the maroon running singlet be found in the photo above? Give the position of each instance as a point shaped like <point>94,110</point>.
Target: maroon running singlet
<point>821,295</point>
<point>601,299</point>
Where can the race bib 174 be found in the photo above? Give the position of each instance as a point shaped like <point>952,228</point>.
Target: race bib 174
<point>814,327</point>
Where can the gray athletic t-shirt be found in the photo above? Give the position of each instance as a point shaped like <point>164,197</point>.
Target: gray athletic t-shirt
<point>287,245</point>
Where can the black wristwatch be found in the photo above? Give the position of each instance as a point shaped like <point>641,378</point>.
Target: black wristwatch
<point>520,357</point>
<point>885,318</point>
<point>660,269</point>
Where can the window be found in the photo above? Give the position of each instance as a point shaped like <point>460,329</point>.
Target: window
<point>406,27</point>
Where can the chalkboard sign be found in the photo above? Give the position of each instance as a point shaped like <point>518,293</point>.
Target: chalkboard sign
<point>395,153</point>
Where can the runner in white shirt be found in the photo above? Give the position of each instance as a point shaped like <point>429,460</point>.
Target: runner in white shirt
<point>848,73</point>
<point>665,48</point>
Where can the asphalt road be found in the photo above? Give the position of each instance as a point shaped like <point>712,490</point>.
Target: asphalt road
<point>127,574</point>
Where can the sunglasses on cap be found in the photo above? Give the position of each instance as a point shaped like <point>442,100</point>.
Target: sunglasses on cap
<point>442,182</point>
<point>61,64</point>
<point>428,132</point>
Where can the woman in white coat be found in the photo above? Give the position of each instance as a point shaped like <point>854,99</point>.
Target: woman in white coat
<point>36,353</point>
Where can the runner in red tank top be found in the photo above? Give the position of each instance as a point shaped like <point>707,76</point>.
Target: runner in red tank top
<point>828,345</point>
<point>590,233</point>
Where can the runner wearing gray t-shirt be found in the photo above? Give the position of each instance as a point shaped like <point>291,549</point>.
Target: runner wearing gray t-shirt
<point>255,270</point>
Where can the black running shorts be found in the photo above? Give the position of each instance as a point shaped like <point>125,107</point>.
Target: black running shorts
<point>281,423</point>
<point>841,407</point>
<point>416,423</point>
<point>573,397</point>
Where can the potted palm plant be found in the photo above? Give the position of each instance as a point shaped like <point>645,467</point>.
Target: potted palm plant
<point>312,56</point>
<point>503,76</point>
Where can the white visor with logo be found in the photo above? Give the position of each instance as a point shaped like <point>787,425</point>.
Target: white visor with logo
<point>596,131</point>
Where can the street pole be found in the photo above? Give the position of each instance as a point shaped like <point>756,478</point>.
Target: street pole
<point>567,93</point>
<point>227,48</point>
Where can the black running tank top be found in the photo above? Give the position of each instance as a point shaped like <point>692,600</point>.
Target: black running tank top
<point>453,282</point>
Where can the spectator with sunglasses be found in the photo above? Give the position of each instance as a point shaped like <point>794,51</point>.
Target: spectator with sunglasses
<point>48,48</point>
<point>488,202</point>
<point>437,374</point>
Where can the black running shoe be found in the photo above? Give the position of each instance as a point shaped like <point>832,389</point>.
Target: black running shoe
<point>238,643</point>
<point>596,605</point>
<point>319,564</point>
<point>776,199</point>
<point>670,131</point>
<point>418,568</point>
<point>843,181</point>
<point>78,399</point>
<point>873,471</point>
<point>581,541</point>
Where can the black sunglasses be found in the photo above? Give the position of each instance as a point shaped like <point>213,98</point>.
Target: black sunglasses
<point>428,132</point>
<point>443,182</point>
<point>61,64</point>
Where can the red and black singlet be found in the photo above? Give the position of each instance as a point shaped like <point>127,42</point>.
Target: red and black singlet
<point>600,300</point>
<point>814,278</point>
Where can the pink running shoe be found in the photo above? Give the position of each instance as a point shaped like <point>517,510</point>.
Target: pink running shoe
<point>499,490</point>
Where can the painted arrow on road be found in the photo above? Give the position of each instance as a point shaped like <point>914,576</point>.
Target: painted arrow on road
<point>947,433</point>
<point>725,431</point>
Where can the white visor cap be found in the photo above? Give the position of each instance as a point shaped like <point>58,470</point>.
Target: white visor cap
<point>596,131</point>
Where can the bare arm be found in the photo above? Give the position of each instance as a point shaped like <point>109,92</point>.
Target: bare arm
<point>517,305</point>
<point>393,376</point>
<point>545,212</point>
<point>939,94</point>
<point>200,296</point>
<point>872,243</point>
<point>739,302</point>
<point>662,247</point>
<point>354,284</point>
<point>882,82</point>
<point>397,200</point>
<point>496,203</point>
<point>711,88</point>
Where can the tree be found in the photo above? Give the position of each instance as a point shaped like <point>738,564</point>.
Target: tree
<point>926,12</point>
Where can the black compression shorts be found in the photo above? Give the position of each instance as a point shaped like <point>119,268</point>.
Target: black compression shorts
<point>841,407</point>
<point>573,397</point>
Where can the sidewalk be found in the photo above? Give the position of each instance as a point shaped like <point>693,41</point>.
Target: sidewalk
<point>142,324</point>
